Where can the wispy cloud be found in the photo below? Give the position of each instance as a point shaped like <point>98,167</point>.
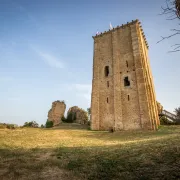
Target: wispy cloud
<point>83,90</point>
<point>49,59</point>
<point>24,10</point>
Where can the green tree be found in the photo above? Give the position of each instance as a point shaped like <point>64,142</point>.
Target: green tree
<point>177,112</point>
<point>69,118</point>
<point>31,124</point>
<point>49,124</point>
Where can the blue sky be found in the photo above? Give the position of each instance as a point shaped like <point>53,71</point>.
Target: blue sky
<point>46,50</point>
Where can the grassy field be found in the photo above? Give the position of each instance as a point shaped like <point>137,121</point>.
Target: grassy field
<point>66,153</point>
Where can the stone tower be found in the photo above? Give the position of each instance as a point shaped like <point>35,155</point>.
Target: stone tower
<point>123,95</point>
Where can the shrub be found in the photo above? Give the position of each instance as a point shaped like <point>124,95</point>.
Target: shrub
<point>63,119</point>
<point>165,121</point>
<point>42,126</point>
<point>31,124</point>
<point>89,123</point>
<point>49,124</point>
<point>10,126</point>
<point>69,118</point>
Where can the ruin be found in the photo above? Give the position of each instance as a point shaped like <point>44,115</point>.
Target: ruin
<point>79,115</point>
<point>123,94</point>
<point>56,112</point>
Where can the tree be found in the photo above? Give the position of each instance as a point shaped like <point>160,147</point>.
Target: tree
<point>31,124</point>
<point>70,118</point>
<point>177,112</point>
<point>172,10</point>
<point>49,124</point>
<point>89,111</point>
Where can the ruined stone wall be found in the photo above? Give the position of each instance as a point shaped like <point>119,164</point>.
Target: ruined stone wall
<point>56,112</point>
<point>159,107</point>
<point>79,115</point>
<point>114,105</point>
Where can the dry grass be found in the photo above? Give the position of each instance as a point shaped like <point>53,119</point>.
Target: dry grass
<point>81,154</point>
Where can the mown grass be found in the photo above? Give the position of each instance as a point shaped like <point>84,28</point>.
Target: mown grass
<point>81,154</point>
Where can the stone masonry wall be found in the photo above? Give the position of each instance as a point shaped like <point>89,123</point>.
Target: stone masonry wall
<point>56,112</point>
<point>114,105</point>
<point>79,115</point>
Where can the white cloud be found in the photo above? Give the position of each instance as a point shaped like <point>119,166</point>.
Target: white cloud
<point>49,59</point>
<point>83,90</point>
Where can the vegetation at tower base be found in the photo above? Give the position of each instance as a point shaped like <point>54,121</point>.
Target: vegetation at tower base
<point>177,112</point>
<point>40,153</point>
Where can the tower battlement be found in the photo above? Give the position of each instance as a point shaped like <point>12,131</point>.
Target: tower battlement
<point>123,26</point>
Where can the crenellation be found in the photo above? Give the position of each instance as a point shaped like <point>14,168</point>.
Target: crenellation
<point>123,26</point>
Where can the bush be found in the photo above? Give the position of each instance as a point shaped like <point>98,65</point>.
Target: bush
<point>89,123</point>
<point>165,121</point>
<point>63,119</point>
<point>42,126</point>
<point>10,126</point>
<point>69,118</point>
<point>49,124</point>
<point>31,124</point>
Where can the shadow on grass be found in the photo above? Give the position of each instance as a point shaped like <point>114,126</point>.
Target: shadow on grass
<point>125,136</point>
<point>158,159</point>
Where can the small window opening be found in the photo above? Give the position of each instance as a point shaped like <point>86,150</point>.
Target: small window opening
<point>126,63</point>
<point>107,100</point>
<point>107,71</point>
<point>128,98</point>
<point>126,81</point>
<point>107,83</point>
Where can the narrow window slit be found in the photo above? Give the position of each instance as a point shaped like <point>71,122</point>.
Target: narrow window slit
<point>107,100</point>
<point>106,71</point>
<point>107,83</point>
<point>128,98</point>
<point>127,63</point>
<point>126,81</point>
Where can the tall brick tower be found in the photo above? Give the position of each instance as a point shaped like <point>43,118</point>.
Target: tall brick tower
<point>123,95</point>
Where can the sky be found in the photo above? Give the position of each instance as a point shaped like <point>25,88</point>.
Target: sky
<point>46,52</point>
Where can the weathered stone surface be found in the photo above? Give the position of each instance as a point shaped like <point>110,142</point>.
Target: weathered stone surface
<point>56,112</point>
<point>78,115</point>
<point>123,94</point>
<point>159,107</point>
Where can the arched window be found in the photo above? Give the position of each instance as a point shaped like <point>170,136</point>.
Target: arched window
<point>106,71</point>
